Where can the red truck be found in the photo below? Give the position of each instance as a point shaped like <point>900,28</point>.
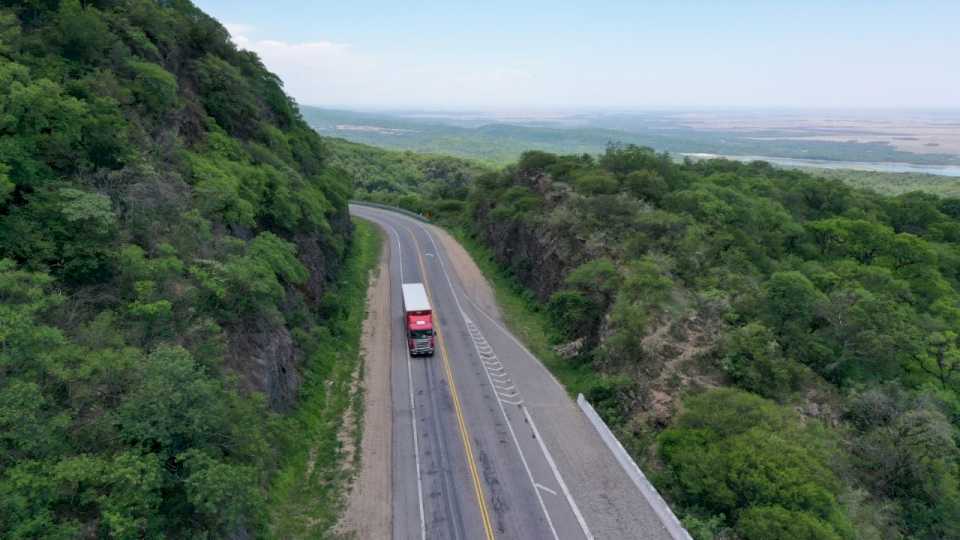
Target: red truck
<point>418,318</point>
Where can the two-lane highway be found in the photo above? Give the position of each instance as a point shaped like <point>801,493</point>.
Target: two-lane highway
<point>470,456</point>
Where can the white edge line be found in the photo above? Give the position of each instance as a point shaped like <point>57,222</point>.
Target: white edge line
<point>556,472</point>
<point>413,407</point>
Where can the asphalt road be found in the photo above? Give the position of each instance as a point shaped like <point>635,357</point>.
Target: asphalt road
<point>486,443</point>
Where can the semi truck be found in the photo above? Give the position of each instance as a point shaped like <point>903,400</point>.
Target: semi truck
<point>418,319</point>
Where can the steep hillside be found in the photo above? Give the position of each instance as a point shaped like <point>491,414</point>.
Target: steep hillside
<point>169,239</point>
<point>779,350</point>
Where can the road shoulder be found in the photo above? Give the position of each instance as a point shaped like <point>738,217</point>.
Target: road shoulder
<point>368,512</point>
<point>471,277</point>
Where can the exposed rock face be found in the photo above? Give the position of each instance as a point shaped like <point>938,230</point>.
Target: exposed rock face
<point>321,258</point>
<point>262,351</point>
<point>540,255</point>
<point>570,350</point>
<point>268,362</point>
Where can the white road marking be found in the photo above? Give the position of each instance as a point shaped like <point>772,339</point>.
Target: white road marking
<point>545,488</point>
<point>556,473</point>
<point>503,412</point>
<point>413,408</point>
<point>543,447</point>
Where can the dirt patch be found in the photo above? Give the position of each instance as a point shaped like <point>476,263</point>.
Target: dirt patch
<point>369,507</point>
<point>475,285</point>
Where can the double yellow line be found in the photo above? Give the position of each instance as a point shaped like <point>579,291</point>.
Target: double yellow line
<point>461,423</point>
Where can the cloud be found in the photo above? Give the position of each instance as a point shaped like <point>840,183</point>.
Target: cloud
<point>239,29</point>
<point>330,73</point>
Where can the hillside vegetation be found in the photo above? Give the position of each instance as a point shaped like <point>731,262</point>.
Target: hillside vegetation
<point>890,183</point>
<point>170,244</point>
<point>779,350</point>
<point>421,182</point>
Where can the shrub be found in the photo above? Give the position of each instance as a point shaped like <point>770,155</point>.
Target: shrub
<point>737,454</point>
<point>154,87</point>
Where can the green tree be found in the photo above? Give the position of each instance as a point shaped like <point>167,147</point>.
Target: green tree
<point>590,290</point>
<point>752,357</point>
<point>859,239</point>
<point>941,359</point>
<point>596,183</point>
<point>6,186</point>
<point>792,303</point>
<point>154,87</point>
<point>82,33</point>
<point>647,185</point>
<point>9,34</point>
<point>778,523</point>
<point>734,453</point>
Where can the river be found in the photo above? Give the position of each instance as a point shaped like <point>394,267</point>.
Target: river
<point>881,166</point>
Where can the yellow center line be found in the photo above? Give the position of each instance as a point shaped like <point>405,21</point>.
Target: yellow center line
<point>461,423</point>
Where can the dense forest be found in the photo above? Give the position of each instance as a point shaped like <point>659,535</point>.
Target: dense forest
<point>171,239</point>
<point>780,351</point>
<point>891,183</point>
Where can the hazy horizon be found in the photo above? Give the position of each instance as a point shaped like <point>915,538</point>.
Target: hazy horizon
<point>587,108</point>
<point>564,55</point>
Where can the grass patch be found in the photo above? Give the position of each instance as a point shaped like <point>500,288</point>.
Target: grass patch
<point>528,322</point>
<point>307,495</point>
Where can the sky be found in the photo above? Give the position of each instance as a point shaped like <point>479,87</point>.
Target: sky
<point>640,54</point>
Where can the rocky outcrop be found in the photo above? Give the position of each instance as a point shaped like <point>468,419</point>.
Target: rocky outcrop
<point>262,351</point>
<point>539,254</point>
<point>265,356</point>
<point>321,257</point>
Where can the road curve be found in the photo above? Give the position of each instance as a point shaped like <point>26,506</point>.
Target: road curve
<point>486,443</point>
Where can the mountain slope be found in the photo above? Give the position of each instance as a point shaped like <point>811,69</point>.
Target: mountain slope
<point>169,239</point>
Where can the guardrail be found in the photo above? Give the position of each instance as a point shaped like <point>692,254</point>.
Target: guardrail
<point>666,515</point>
<point>414,215</point>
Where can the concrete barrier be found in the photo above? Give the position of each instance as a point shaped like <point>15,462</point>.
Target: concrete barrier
<point>666,515</point>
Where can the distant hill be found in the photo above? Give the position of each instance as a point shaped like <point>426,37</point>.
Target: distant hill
<point>498,139</point>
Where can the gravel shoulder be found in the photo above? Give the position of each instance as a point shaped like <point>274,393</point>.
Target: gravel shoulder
<point>368,512</point>
<point>471,277</point>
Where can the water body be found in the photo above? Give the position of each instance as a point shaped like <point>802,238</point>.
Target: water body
<point>881,166</point>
